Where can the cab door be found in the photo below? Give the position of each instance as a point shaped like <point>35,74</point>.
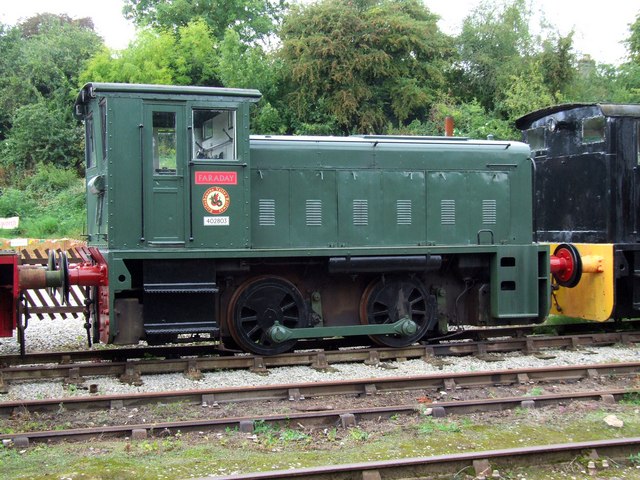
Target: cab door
<point>164,153</point>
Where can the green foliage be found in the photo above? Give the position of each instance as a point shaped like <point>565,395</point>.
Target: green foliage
<point>633,41</point>
<point>146,60</point>
<point>242,66</point>
<point>470,120</point>
<point>526,92</point>
<point>431,425</point>
<point>40,61</point>
<point>289,435</point>
<point>502,66</point>
<point>195,54</point>
<point>362,64</point>
<point>251,19</point>
<point>267,120</point>
<point>358,434</point>
<point>557,65</point>
<point>42,133</point>
<point>184,58</point>
<point>631,398</point>
<point>535,392</point>
<point>598,83</point>
<point>50,203</point>
<point>494,39</point>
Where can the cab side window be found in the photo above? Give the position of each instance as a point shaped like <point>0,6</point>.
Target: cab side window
<point>89,148</point>
<point>103,127</point>
<point>214,135</point>
<point>165,153</point>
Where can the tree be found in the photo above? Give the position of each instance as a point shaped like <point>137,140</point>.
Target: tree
<point>185,58</point>
<point>251,19</point>
<point>526,93</point>
<point>43,134</point>
<point>633,41</point>
<point>557,65</point>
<point>39,68</point>
<point>492,45</point>
<point>250,66</point>
<point>361,65</point>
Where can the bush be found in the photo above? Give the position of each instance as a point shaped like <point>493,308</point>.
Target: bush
<point>51,179</point>
<point>50,204</point>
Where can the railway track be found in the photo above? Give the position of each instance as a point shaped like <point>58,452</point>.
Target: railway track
<point>354,388</point>
<point>131,370</point>
<point>479,462</point>
<point>344,418</point>
<point>318,416</point>
<point>477,335</point>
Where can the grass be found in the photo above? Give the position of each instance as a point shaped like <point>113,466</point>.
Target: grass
<point>230,452</point>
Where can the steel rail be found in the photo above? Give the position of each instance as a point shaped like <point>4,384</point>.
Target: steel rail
<point>477,335</point>
<point>315,359</point>
<point>318,417</point>
<point>449,464</point>
<point>356,387</point>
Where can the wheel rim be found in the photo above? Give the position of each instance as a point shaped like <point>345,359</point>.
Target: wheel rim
<point>388,300</point>
<point>257,305</point>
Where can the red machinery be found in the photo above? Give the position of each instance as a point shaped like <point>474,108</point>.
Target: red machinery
<point>58,274</point>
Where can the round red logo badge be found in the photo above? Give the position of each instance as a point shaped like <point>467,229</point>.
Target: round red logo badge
<point>216,200</point>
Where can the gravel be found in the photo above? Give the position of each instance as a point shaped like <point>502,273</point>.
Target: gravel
<point>70,334</point>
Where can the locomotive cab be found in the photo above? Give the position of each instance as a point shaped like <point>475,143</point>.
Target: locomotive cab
<point>167,167</point>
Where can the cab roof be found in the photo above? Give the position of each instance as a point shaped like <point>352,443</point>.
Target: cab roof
<point>90,91</point>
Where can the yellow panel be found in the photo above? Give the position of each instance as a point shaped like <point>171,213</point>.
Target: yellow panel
<point>593,298</point>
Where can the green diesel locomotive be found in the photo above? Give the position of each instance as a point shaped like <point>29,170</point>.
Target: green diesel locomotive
<point>198,228</point>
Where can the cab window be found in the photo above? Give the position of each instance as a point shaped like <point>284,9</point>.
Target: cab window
<point>89,148</point>
<point>103,126</point>
<point>536,138</point>
<point>165,152</point>
<point>214,135</point>
<point>593,130</point>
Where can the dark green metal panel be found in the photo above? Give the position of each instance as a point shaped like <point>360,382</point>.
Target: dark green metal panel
<point>404,208</point>
<point>488,199</point>
<point>124,177</point>
<point>270,221</point>
<point>544,282</point>
<point>164,162</point>
<point>514,282</point>
<point>445,214</point>
<point>314,208</point>
<point>228,225</point>
<point>468,207</point>
<point>360,203</point>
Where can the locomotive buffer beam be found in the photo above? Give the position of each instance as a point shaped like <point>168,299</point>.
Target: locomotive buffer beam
<point>279,333</point>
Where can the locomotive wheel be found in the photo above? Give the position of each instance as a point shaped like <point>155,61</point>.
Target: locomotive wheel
<point>257,305</point>
<point>571,276</point>
<point>389,300</point>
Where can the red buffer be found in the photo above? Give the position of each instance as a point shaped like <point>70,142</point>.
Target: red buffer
<point>58,274</point>
<point>566,265</point>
